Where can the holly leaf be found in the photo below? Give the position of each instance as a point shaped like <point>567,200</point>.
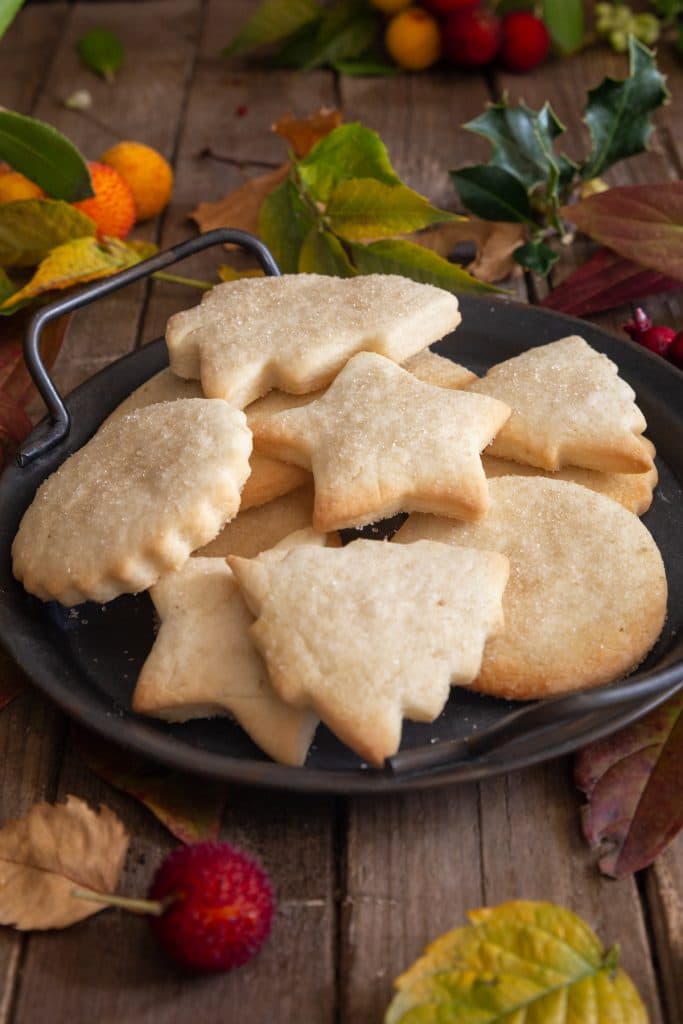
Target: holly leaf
<point>284,223</point>
<point>322,253</point>
<point>45,156</point>
<point>522,141</point>
<point>350,151</point>
<point>642,221</point>
<point>48,853</point>
<point>364,208</point>
<point>102,52</point>
<point>493,194</point>
<point>618,112</point>
<point>633,780</point>
<point>564,21</point>
<point>521,960</point>
<point>8,9</point>
<point>240,209</point>
<point>75,262</point>
<point>190,808</point>
<point>604,282</point>
<point>31,228</point>
<point>302,133</point>
<point>537,257</point>
<point>272,21</point>
<point>395,256</point>
<point>346,31</point>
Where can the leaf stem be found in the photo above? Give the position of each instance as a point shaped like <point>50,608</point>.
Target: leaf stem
<point>190,282</point>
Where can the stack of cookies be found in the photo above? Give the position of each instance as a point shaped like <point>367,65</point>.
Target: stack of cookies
<point>299,406</point>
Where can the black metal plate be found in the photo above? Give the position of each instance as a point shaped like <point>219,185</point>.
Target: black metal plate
<point>87,659</point>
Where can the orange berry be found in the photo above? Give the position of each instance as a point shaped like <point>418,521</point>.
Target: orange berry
<point>15,186</point>
<point>148,175</point>
<point>413,39</point>
<point>112,207</point>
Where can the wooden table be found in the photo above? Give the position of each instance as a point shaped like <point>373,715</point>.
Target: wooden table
<point>364,883</point>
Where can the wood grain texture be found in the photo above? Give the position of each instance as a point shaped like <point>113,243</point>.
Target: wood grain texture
<point>26,52</point>
<point>664,891</point>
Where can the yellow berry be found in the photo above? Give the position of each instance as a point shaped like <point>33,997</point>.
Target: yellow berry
<point>413,39</point>
<point>146,172</point>
<point>391,6</point>
<point>15,186</point>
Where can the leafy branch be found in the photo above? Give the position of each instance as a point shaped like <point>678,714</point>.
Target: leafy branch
<point>527,181</point>
<point>340,208</point>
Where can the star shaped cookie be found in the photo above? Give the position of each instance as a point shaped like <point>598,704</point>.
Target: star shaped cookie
<point>296,332</point>
<point>380,441</point>
<point>371,632</point>
<point>204,663</point>
<point>569,408</point>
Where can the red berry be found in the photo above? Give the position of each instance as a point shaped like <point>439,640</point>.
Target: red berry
<point>675,353</point>
<point>444,7</point>
<point>471,38</point>
<point>656,339</point>
<point>222,908</point>
<point>526,41</point>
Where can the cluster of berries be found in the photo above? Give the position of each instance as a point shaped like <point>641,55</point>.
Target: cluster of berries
<point>131,182</point>
<point>662,340</point>
<point>466,32</point>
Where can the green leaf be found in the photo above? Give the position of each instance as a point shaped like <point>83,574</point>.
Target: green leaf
<point>414,261</point>
<point>522,141</point>
<point>366,67</point>
<point>564,21</point>
<point>7,286</point>
<point>297,49</point>
<point>41,153</point>
<point>536,256</point>
<point>347,30</point>
<point>272,21</point>
<point>640,222</point>
<point>618,112</point>
<point>30,228</point>
<point>8,9</point>
<point>493,194</point>
<point>519,961</point>
<point>322,253</point>
<point>350,151</point>
<point>101,51</point>
<point>364,208</point>
<point>284,222</point>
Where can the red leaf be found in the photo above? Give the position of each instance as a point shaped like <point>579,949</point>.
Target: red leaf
<point>641,222</point>
<point>605,281</point>
<point>12,679</point>
<point>190,808</point>
<point>14,426</point>
<point>15,379</point>
<point>634,784</point>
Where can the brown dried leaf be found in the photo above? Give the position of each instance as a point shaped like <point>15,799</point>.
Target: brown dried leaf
<point>495,242</point>
<point>239,209</point>
<point>190,808</point>
<point>302,133</point>
<point>50,852</point>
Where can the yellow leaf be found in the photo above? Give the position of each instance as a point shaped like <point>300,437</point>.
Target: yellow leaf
<point>227,273</point>
<point>51,851</point>
<point>519,961</point>
<point>75,262</point>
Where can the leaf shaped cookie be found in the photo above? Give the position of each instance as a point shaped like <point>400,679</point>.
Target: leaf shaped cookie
<point>297,331</point>
<point>521,961</point>
<point>371,632</point>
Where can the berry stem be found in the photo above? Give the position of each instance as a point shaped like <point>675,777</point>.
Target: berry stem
<point>154,907</point>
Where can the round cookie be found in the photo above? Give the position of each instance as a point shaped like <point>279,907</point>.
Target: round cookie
<point>586,599</point>
<point>134,502</point>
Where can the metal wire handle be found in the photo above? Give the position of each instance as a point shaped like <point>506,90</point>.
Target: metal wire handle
<point>60,421</point>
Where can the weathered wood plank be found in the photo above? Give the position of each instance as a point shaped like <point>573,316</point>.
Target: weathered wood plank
<point>145,103</point>
<point>26,52</point>
<point>664,889</point>
<point>532,849</point>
